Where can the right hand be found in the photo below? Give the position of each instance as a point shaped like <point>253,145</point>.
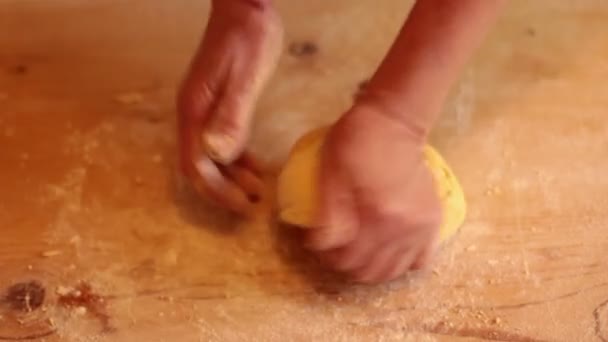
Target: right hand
<point>379,210</point>
<point>238,53</point>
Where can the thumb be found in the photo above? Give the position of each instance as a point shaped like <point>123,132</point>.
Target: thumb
<point>228,130</point>
<point>337,221</point>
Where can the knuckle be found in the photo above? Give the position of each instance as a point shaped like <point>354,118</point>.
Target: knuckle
<point>343,264</point>
<point>228,123</point>
<point>193,99</point>
<point>364,277</point>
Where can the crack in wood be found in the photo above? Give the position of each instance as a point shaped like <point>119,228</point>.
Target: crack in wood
<point>597,318</point>
<point>548,300</point>
<point>487,334</point>
<point>537,302</point>
<point>29,337</point>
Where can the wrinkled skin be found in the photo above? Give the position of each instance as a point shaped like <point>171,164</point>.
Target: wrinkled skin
<point>236,58</point>
<point>380,212</point>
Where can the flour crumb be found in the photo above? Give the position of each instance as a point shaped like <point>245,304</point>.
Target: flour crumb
<point>170,257</point>
<point>164,298</point>
<point>493,190</point>
<point>63,290</point>
<point>80,311</point>
<point>75,240</point>
<point>130,98</point>
<point>9,132</point>
<point>51,253</point>
<point>157,158</point>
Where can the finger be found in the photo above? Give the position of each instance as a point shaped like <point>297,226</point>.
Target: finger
<point>351,257</point>
<point>248,161</point>
<point>337,223</point>
<point>228,130</point>
<point>403,263</point>
<point>195,102</point>
<point>192,106</point>
<point>337,220</point>
<point>203,83</point>
<point>219,188</point>
<point>206,76</point>
<point>384,257</point>
<point>425,258</point>
<point>251,184</point>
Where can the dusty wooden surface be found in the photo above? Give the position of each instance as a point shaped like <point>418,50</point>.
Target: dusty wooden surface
<point>88,192</point>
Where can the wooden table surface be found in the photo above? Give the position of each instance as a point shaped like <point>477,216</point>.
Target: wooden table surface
<point>93,215</point>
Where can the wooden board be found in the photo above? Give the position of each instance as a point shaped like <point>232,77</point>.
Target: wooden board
<point>89,193</point>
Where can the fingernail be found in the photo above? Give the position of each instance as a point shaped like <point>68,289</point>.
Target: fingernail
<point>219,146</point>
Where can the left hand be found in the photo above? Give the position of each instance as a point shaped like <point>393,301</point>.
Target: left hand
<point>237,56</point>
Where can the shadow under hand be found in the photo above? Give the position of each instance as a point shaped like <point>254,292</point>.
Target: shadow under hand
<point>290,248</point>
<point>198,211</point>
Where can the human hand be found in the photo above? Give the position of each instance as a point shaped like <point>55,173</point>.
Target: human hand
<point>237,56</point>
<point>379,210</point>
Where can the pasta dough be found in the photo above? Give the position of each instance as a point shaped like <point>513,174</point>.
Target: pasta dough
<point>297,185</point>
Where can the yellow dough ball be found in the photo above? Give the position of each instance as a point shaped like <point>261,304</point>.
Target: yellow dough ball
<point>298,185</point>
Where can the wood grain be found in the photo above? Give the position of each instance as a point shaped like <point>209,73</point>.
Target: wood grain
<point>89,194</point>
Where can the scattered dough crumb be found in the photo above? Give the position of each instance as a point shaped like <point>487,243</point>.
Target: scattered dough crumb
<point>131,98</point>
<point>157,158</point>
<point>492,262</point>
<point>9,132</point>
<point>493,190</point>
<point>170,257</point>
<point>63,291</point>
<point>80,311</point>
<point>471,248</point>
<point>50,254</point>
<point>166,298</point>
<point>30,267</point>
